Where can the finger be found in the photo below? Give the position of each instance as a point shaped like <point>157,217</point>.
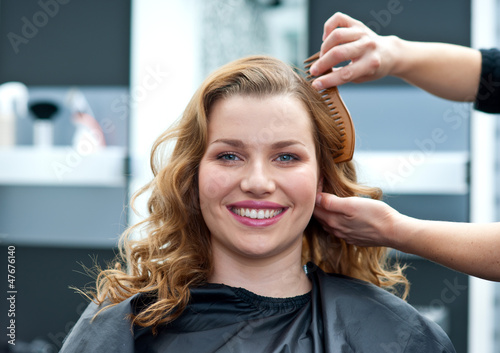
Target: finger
<point>324,225</point>
<point>336,211</point>
<point>363,70</point>
<point>335,56</point>
<point>331,203</point>
<point>361,51</point>
<point>331,58</point>
<point>321,215</point>
<point>337,49</point>
<point>337,77</point>
<point>339,36</point>
<point>349,238</point>
<point>338,19</point>
<point>327,219</point>
<point>340,235</point>
<point>368,69</point>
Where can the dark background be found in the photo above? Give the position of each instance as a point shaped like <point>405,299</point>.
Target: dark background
<point>74,42</point>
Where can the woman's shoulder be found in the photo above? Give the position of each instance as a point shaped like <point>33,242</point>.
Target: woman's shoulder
<point>374,312</point>
<point>109,331</point>
<point>352,288</point>
<point>348,292</point>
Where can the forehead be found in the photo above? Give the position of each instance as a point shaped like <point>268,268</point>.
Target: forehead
<point>268,118</point>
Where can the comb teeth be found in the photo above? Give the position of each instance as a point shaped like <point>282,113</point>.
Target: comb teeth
<point>338,112</point>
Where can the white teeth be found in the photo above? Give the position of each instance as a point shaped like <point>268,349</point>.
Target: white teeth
<point>256,213</point>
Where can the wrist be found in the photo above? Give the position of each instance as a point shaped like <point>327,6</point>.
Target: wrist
<point>397,52</point>
<point>400,234</point>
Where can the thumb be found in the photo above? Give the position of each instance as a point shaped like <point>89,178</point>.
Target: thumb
<point>329,202</point>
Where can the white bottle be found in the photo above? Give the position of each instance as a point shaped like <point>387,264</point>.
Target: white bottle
<point>13,104</point>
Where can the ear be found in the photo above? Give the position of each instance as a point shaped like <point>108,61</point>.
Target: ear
<point>320,184</point>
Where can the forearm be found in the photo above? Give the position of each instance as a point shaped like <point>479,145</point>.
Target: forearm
<point>470,248</point>
<point>445,70</point>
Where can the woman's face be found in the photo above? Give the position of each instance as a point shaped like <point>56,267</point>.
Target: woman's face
<point>258,178</point>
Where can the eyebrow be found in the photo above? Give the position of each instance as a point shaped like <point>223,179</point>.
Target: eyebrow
<point>230,142</point>
<point>241,144</point>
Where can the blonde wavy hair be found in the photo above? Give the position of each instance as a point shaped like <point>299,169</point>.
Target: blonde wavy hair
<point>175,255</point>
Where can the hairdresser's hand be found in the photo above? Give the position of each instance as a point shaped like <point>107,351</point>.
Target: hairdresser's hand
<point>471,248</point>
<point>430,66</point>
<point>359,221</point>
<point>346,39</point>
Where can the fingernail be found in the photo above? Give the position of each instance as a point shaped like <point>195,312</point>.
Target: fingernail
<point>318,199</point>
<point>317,85</point>
<point>314,70</point>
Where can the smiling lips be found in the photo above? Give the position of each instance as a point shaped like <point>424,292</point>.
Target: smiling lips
<point>257,213</point>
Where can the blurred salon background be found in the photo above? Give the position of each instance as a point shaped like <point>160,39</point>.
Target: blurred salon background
<point>86,87</point>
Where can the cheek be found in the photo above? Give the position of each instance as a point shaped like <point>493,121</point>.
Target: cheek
<point>207,187</point>
<point>213,183</point>
<point>207,193</point>
<point>303,186</point>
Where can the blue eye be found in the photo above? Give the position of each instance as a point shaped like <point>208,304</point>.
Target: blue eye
<point>228,157</point>
<point>286,158</point>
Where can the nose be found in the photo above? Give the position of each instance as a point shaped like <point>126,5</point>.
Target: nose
<point>258,179</point>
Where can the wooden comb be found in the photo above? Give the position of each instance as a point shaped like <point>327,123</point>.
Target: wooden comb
<point>338,112</point>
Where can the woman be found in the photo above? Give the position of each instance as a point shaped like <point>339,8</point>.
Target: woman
<point>220,268</point>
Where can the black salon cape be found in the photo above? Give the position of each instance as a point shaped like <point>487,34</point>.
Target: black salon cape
<point>340,314</point>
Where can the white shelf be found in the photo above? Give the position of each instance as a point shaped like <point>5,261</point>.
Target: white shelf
<point>414,172</point>
<point>67,240</point>
<point>62,166</point>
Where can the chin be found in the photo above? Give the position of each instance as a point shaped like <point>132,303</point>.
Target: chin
<point>261,251</point>
<point>257,253</point>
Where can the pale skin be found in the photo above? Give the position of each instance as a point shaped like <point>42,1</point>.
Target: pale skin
<point>260,155</point>
<point>465,247</point>
<point>448,71</point>
<point>445,70</point>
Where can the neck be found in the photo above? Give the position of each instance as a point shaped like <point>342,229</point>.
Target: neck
<point>279,278</point>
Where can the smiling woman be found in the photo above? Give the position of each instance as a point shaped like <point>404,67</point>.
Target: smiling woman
<point>277,176</point>
<point>233,260</point>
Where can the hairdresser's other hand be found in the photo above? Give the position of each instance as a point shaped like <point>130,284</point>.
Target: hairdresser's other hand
<point>346,39</point>
<point>359,221</point>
